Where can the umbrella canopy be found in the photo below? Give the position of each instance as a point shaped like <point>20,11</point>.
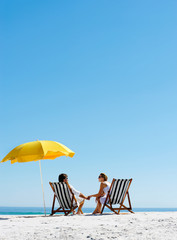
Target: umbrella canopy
<point>37,150</point>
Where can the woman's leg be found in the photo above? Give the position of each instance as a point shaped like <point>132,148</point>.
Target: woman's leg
<point>98,207</point>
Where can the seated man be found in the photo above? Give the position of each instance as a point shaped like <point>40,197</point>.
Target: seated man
<point>78,195</point>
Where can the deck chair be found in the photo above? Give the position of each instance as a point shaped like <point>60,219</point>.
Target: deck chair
<point>66,199</point>
<point>117,194</point>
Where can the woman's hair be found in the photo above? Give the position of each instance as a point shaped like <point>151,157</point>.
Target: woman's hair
<point>103,175</point>
<point>62,177</point>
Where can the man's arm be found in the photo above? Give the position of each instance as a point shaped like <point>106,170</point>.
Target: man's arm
<point>77,193</point>
<point>82,196</point>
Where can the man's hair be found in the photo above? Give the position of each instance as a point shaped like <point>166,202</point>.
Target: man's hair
<point>62,177</point>
<point>103,175</point>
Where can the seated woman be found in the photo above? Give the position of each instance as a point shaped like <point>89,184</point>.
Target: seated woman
<point>102,194</point>
<point>78,195</point>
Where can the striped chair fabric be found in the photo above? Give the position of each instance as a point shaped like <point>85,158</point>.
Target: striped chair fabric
<point>118,190</point>
<point>63,195</point>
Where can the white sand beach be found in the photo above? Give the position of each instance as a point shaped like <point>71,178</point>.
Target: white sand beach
<point>153,225</point>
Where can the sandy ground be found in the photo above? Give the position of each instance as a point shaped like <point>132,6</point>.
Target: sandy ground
<point>108,226</point>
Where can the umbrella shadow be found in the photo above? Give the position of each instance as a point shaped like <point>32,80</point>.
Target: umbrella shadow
<point>4,219</point>
<point>25,216</point>
<point>40,216</point>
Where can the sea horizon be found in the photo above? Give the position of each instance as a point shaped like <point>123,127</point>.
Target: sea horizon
<point>40,210</point>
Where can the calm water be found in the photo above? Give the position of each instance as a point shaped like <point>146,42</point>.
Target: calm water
<point>40,210</point>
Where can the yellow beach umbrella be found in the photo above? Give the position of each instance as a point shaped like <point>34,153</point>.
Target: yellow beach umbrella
<point>36,151</point>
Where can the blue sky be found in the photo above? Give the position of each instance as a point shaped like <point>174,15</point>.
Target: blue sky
<point>100,77</point>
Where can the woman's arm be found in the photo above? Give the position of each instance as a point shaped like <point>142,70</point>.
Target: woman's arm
<point>100,193</point>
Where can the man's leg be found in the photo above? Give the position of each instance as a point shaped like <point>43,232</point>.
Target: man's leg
<point>79,211</point>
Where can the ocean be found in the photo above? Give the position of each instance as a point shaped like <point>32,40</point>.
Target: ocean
<point>40,210</point>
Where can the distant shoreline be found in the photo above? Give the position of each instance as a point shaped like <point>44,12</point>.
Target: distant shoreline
<point>40,211</point>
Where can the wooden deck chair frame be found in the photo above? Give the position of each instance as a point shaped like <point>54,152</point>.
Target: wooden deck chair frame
<point>60,209</point>
<point>122,206</point>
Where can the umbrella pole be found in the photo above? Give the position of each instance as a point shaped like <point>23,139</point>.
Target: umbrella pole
<point>42,187</point>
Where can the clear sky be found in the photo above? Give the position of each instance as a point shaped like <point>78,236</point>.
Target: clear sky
<point>101,78</point>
